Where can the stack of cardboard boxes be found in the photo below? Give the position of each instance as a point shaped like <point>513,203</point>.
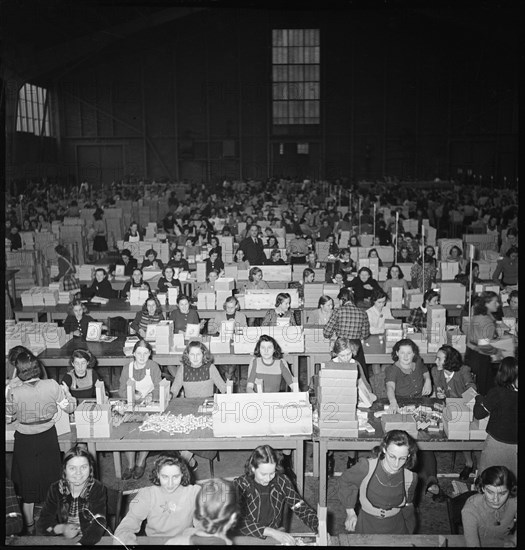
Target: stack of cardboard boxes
<point>337,400</point>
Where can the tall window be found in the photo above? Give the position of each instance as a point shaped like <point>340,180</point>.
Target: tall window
<point>295,76</point>
<point>33,110</point>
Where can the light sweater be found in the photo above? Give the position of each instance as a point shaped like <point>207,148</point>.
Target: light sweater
<point>479,522</point>
<point>167,514</point>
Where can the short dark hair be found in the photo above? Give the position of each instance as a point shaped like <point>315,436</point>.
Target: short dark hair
<point>377,294</point>
<point>401,439</point>
<point>264,454</point>
<point>405,342</point>
<point>429,294</point>
<point>507,372</point>
<point>511,250</point>
<point>497,476</point>
<point>367,269</point>
<point>281,297</point>
<point>83,354</point>
<point>181,297</point>
<point>389,272</point>
<point>277,351</point>
<point>28,366</point>
<point>481,301</point>
<point>126,252</point>
<point>151,251</point>
<point>453,361</point>
<point>170,458</point>
<point>346,295</point>
<point>307,272</point>
<point>81,451</point>
<point>342,343</point>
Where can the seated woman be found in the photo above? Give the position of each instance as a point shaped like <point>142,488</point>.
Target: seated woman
<point>311,260</point>
<point>333,249</point>
<point>512,309</point>
<point>325,307</point>
<point>150,314</point>
<point>231,312</point>
<point>147,376</point>
<point>75,505</point>
<point>385,487</point>
<point>240,260</point>
<point>263,492</point>
<point>394,279</point>
<point>363,285</point>
<point>418,316</point>
<point>209,285</point>
<point>353,241</point>
<point>136,281</point>
<point>408,377</point>
<point>271,242</point>
<point>454,254</point>
<point>372,253</point>
<point>214,263</point>
<point>133,234</point>
<point>151,260</point>
<point>168,506</point>
<point>216,512</point>
<point>178,261</point>
<point>451,379</point>
<point>81,378</point>
<point>183,315</point>
<point>282,314</point>
<point>255,278</point>
<point>128,261</point>
<point>308,277</point>
<point>268,366</point>
<point>490,518</point>
<point>404,255</point>
<point>168,280</point>
<point>101,286</point>
<point>214,243</point>
<point>198,376</point>
<point>77,320</point>
<point>275,258</point>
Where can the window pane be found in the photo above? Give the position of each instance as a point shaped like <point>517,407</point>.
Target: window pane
<point>280,55</point>
<point>296,37</point>
<point>296,90</point>
<point>296,73</point>
<point>280,73</point>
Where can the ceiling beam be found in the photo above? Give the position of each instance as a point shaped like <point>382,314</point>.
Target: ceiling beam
<point>34,65</point>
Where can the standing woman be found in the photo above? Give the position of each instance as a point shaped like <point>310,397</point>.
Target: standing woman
<point>282,314</point>
<point>501,402</point>
<point>147,376</point>
<point>74,499</point>
<point>263,492</point>
<point>481,333</point>
<point>100,244</point>
<point>36,454</point>
<point>451,379</point>
<point>394,279</point>
<point>66,269</point>
<point>78,319</point>
<point>428,271</point>
<point>150,314</point>
<point>385,487</point>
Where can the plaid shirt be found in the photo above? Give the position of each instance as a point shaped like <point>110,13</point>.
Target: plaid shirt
<point>281,493</point>
<point>417,318</point>
<point>348,321</point>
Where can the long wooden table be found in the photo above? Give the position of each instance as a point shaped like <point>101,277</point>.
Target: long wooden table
<point>127,437</point>
<point>367,441</point>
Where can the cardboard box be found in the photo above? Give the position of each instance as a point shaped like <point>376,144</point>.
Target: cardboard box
<point>93,420</point>
<point>225,283</point>
<point>218,345</point>
<point>399,422</point>
<point>337,382</point>
<point>265,414</point>
<point>477,431</point>
<point>327,409</point>
<point>220,297</point>
<point>331,432</point>
<point>337,396</point>
<point>452,293</point>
